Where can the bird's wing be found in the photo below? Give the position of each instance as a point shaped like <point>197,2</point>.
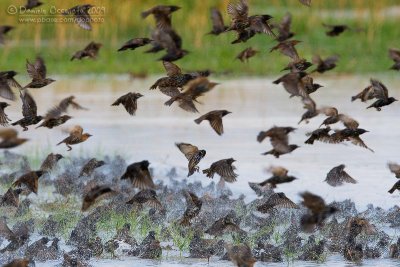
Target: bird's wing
<point>278,171</point>
<point>216,124</point>
<point>8,133</point>
<point>347,178</point>
<point>394,54</point>
<point>348,121</point>
<point>328,111</point>
<point>187,149</point>
<point>313,202</point>
<point>40,67</point>
<point>171,68</point>
<point>29,108</point>
<point>359,142</point>
<point>217,20</point>
<point>380,90</point>
<point>5,90</point>
<point>76,131</point>
<point>187,105</point>
<point>226,170</point>
<point>83,20</point>
<point>239,11</point>
<point>394,167</point>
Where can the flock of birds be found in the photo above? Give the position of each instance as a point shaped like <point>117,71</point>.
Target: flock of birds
<point>184,89</point>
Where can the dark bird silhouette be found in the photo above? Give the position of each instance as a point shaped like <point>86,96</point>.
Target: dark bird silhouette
<point>279,140</point>
<point>31,4</point>
<point>307,84</point>
<point>366,94</point>
<point>279,176</point>
<point>215,119</point>
<point>284,31</point>
<point>306,2</point>
<point>195,88</point>
<point>193,207</point>
<point>30,180</point>
<point>241,255</point>
<point>193,155</point>
<point>324,65</point>
<point>287,48</point>
<point>276,201</point>
<point>335,30</point>
<point>395,187</point>
<point>7,81</point>
<point>63,106</point>
<point>81,15</point>
<point>394,168</point>
<point>29,111</point>
<point>90,51</point>
<point>10,139</point>
<point>244,36</point>
<point>90,166</point>
<point>337,176</point>
<point>293,84</point>
<point>134,43</point>
<point>224,225</point>
<point>138,173</point>
<point>320,135</point>
<point>311,107</point>
<point>50,162</point>
<point>11,197</point>
<point>352,135</point>
<point>37,72</point>
<point>97,192</point>
<point>4,120</point>
<point>162,14</point>
<point>4,29</point>
<point>394,54</point>
<point>76,136</point>
<point>246,54</point>
<point>273,132</point>
<point>223,168</point>
<point>217,21</point>
<point>146,197</point>
<point>129,101</point>
<point>298,65</point>
<point>334,116</point>
<point>167,39</point>
<point>382,94</point>
<point>318,211</point>
<point>54,122</point>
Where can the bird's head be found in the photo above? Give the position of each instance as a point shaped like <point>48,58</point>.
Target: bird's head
<point>144,164</point>
<point>293,147</point>
<point>59,156</point>
<point>392,99</point>
<point>66,117</point>
<point>231,160</point>
<point>225,112</point>
<point>174,8</point>
<point>202,153</point>
<point>361,131</point>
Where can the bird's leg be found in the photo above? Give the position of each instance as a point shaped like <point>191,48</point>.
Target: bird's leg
<point>25,128</point>
<point>378,109</point>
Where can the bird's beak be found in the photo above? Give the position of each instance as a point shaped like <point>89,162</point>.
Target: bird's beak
<point>396,99</point>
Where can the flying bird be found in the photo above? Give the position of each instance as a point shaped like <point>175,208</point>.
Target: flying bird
<point>217,21</point>
<point>394,54</point>
<point>96,194</point>
<point>224,225</point>
<point>215,119</point>
<point>90,51</point>
<point>276,201</point>
<point>320,134</point>
<point>4,29</point>
<point>138,173</point>
<point>4,120</point>
<point>31,4</point>
<point>287,48</point>
<point>246,54</point>
<point>129,101</point>
<point>223,168</point>
<point>29,111</point>
<point>54,122</point>
<point>146,197</point>
<point>337,176</point>
<point>284,31</point>
<point>7,81</point>
<point>193,207</point>
<point>293,84</point>
<point>193,155</point>
<point>76,136</point>
<point>279,176</point>
<point>352,135</point>
<point>9,139</point>
<point>63,106</point>
<point>30,180</point>
<point>334,116</point>
<point>134,43</point>
<point>279,138</point>
<point>81,15</point>
<point>324,65</point>
<point>394,168</point>
<point>381,93</point>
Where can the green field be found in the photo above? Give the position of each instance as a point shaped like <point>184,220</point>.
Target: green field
<point>361,52</point>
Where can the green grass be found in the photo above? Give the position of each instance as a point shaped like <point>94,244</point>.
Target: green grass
<point>364,52</point>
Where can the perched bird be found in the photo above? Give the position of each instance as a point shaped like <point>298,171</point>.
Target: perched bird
<point>29,111</point>
<point>4,29</point>
<point>293,84</point>
<point>11,197</point>
<point>324,65</point>
<point>195,88</point>
<point>246,54</point>
<point>37,72</point>
<point>30,180</point>
<point>50,162</point>
<point>382,95</point>
<point>193,155</point>
<point>52,122</point>
<point>335,30</point>
<point>76,136</point>
<point>62,107</point>
<point>394,168</point>
<point>146,197</point>
<point>90,166</point>
<point>352,135</point>
<point>134,43</point>
<point>150,247</point>
<point>223,168</point>
<point>279,140</point>
<point>224,225</point>
<point>217,21</point>
<point>4,120</point>
<point>320,135</point>
<point>10,139</point>
<point>193,207</point>
<point>215,119</point>
<point>395,187</point>
<point>31,4</point>
<point>94,195</point>
<point>279,176</point>
<point>129,101</point>
<point>337,176</point>
<point>394,54</point>
<point>241,255</point>
<point>284,32</point>
<point>306,2</point>
<point>319,211</point>
<point>90,51</point>
<point>287,48</point>
<point>7,81</point>
<point>276,201</point>
<point>139,175</point>
<point>81,15</point>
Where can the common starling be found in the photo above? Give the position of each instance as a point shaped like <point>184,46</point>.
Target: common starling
<point>293,84</point>
<point>334,117</point>
<point>139,175</point>
<point>307,82</point>
<point>29,111</point>
<point>162,14</point>
<point>306,2</point>
<point>223,168</point>
<point>30,180</point>
<point>50,162</point>
<point>175,79</point>
<point>31,4</point>
<point>81,15</point>
<point>146,197</point>
<point>10,139</point>
<point>319,134</point>
<point>319,211</point>
<point>18,237</point>
<point>279,140</point>
<point>276,201</point>
<point>11,197</point>
<point>217,21</point>
<point>193,155</point>
<point>241,255</point>
<point>311,107</point>
<point>76,136</point>
<point>274,132</point>
<point>134,43</point>
<point>335,30</point>
<point>394,168</point>
<point>193,207</point>
<point>129,101</point>
<point>395,187</point>
<point>90,166</point>
<point>279,176</point>
<point>244,36</point>
<point>94,195</point>
<point>352,135</point>
<point>298,65</point>
<point>150,247</point>
<point>4,29</point>
<point>283,28</point>
<point>6,82</point>
<point>52,122</point>
<point>215,119</point>
<point>63,106</point>
<point>37,72</point>
<point>337,176</point>
<point>366,94</point>
<point>224,225</point>
<point>382,94</point>
<point>19,262</point>
<point>246,54</point>
<point>3,116</point>
<point>394,54</point>
<point>324,65</point>
<point>90,51</point>
<point>195,88</point>
<point>287,48</point>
